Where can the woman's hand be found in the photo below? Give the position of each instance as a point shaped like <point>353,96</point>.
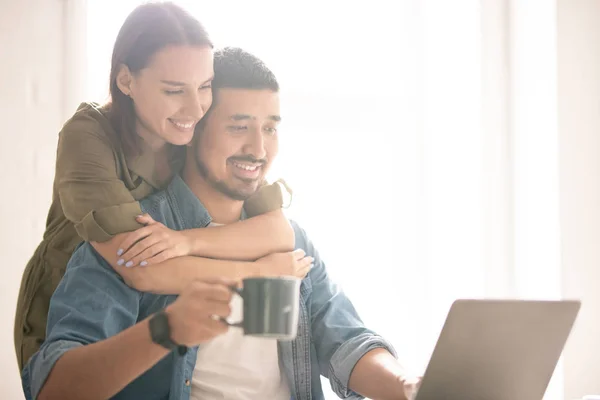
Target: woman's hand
<point>152,244</point>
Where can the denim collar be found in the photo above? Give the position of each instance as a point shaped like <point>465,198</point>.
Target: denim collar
<point>189,209</point>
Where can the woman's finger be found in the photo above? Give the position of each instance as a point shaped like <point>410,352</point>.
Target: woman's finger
<point>142,258</point>
<point>299,254</point>
<point>145,219</point>
<point>160,257</point>
<point>306,261</point>
<point>127,258</point>
<point>132,238</point>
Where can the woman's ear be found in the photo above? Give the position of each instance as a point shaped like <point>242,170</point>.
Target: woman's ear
<point>124,79</point>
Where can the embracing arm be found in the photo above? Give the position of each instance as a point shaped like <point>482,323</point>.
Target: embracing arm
<point>171,276</point>
<point>249,239</point>
<point>94,197</point>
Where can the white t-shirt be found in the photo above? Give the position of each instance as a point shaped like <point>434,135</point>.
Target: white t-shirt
<point>234,366</point>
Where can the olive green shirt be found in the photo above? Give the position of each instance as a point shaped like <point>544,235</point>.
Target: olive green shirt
<point>95,196</point>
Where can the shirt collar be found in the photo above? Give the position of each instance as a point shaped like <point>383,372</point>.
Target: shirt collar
<point>187,206</point>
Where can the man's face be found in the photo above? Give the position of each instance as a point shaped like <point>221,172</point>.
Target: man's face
<point>238,142</point>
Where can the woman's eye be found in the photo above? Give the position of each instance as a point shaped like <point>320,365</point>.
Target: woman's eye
<point>237,127</point>
<point>173,92</point>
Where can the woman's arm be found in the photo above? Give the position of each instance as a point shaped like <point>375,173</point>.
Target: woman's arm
<point>92,193</point>
<point>171,276</point>
<point>249,239</point>
<point>94,197</point>
<point>245,240</point>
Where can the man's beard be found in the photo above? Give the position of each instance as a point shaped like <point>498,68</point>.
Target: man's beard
<point>221,186</point>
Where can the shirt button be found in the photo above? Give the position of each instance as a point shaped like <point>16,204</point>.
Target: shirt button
<point>187,382</point>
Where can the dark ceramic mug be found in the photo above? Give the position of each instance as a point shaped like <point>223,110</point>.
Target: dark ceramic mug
<point>271,307</point>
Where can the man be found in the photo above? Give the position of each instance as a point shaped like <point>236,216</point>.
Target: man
<point>102,338</point>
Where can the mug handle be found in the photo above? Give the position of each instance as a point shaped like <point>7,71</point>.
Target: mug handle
<point>239,324</point>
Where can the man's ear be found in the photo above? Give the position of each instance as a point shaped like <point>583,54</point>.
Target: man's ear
<point>124,80</point>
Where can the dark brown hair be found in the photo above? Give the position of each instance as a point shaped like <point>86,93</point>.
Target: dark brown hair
<point>236,68</point>
<point>148,29</point>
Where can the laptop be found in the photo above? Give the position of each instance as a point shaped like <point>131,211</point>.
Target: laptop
<point>498,350</point>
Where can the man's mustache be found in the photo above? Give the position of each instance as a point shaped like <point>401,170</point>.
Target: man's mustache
<point>248,159</point>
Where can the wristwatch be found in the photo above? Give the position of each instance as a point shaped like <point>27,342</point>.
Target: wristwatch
<point>160,332</point>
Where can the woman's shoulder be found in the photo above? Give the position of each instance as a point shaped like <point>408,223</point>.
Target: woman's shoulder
<point>90,120</point>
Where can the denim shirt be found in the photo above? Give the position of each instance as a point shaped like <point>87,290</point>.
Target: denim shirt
<point>93,303</point>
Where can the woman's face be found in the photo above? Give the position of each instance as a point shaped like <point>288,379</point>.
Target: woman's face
<point>171,94</point>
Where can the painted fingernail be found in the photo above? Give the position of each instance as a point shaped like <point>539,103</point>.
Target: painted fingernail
<point>144,263</point>
<point>120,252</point>
<point>312,266</point>
<point>129,264</point>
<point>140,216</point>
<point>120,262</point>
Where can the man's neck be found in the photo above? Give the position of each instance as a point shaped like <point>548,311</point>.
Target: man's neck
<point>222,209</point>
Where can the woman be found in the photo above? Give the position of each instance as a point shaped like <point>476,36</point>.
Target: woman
<point>110,157</point>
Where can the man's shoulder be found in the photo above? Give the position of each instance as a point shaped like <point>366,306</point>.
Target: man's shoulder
<point>86,254</point>
<point>302,241</point>
<point>158,206</point>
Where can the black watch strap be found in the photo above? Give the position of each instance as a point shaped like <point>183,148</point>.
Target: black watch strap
<point>160,332</point>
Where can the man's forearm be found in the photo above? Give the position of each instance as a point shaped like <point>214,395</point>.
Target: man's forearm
<point>102,369</point>
<point>171,276</point>
<point>249,239</point>
<point>378,376</point>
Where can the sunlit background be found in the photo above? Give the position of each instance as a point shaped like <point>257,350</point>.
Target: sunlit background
<point>383,143</point>
<point>429,152</point>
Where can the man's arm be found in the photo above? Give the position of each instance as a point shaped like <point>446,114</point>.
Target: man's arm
<point>90,304</point>
<point>353,358</point>
<point>101,370</point>
<point>94,346</point>
<point>378,375</point>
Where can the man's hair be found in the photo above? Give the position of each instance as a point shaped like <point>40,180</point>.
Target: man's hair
<point>238,69</point>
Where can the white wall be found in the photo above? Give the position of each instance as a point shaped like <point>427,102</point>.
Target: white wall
<point>31,109</point>
<point>579,139</point>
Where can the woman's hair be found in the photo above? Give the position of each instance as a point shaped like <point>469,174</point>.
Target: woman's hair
<point>148,29</point>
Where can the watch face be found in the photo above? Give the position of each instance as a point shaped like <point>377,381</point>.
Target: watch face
<point>159,328</point>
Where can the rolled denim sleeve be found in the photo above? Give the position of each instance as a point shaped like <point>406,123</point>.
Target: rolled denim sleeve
<point>91,303</point>
<point>339,335</point>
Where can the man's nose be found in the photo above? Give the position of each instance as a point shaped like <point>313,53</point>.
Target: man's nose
<point>256,144</point>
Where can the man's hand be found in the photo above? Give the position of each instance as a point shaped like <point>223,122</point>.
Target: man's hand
<point>379,376</point>
<point>295,263</point>
<point>194,317</point>
<point>410,386</point>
